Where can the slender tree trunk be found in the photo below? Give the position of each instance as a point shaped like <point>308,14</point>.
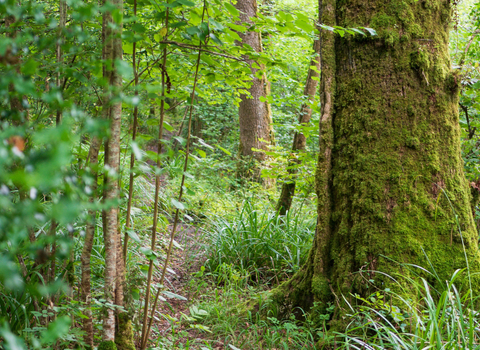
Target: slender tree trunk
<point>255,115</point>
<point>132,155</point>
<point>113,52</point>
<point>390,177</point>
<point>62,7</point>
<point>299,140</point>
<point>85,286</point>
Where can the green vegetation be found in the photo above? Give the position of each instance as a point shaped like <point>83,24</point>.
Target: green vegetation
<point>171,248</point>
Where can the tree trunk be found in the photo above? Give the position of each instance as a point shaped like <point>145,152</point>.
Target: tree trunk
<point>299,140</point>
<point>390,180</point>
<point>62,8</point>
<point>255,115</point>
<point>114,53</point>
<point>85,284</point>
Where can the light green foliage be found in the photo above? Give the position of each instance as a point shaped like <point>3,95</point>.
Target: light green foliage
<point>441,318</point>
<point>259,242</point>
<point>45,187</point>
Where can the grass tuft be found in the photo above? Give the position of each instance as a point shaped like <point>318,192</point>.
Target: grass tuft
<point>260,242</point>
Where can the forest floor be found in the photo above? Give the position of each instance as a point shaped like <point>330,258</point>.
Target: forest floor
<point>170,323</point>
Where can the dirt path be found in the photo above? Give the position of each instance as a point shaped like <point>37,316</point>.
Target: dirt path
<point>170,313</point>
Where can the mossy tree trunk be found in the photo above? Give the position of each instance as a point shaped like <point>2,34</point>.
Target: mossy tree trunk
<point>255,115</point>
<point>389,154</point>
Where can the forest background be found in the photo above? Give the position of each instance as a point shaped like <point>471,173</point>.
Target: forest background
<point>122,146</point>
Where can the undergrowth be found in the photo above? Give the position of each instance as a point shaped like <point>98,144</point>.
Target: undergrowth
<point>259,242</point>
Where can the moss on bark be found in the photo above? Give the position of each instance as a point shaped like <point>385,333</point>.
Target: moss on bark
<point>396,183</point>
<point>124,332</point>
<point>107,345</point>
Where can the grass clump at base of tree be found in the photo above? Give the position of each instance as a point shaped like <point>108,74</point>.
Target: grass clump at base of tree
<point>259,242</point>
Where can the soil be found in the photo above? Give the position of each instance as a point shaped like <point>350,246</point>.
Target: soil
<point>184,262</point>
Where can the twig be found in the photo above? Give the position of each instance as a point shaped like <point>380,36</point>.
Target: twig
<point>177,211</point>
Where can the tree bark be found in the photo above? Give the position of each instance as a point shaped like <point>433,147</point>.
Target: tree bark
<point>390,178</point>
<point>113,52</point>
<point>299,141</point>
<point>62,8</point>
<point>85,284</point>
<point>255,115</point>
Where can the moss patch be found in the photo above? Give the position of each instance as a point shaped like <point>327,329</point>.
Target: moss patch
<point>107,345</point>
<point>124,333</point>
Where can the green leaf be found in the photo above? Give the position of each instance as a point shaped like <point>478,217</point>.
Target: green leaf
<point>177,204</point>
<point>171,295</point>
<point>167,126</point>
<point>124,69</point>
<point>178,24</point>
<point>135,293</point>
<point>236,27</point>
<point>224,150</point>
<point>56,329</point>
<point>10,340</point>
<point>136,150</point>
<point>30,67</point>
<point>186,2</point>
<point>128,48</point>
<point>133,235</point>
<point>230,8</point>
<point>192,30</point>
<point>210,78</point>
<point>208,60</point>
<point>216,25</point>
<point>370,30</point>
<point>215,39</point>
<point>204,30</point>
<point>306,26</point>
